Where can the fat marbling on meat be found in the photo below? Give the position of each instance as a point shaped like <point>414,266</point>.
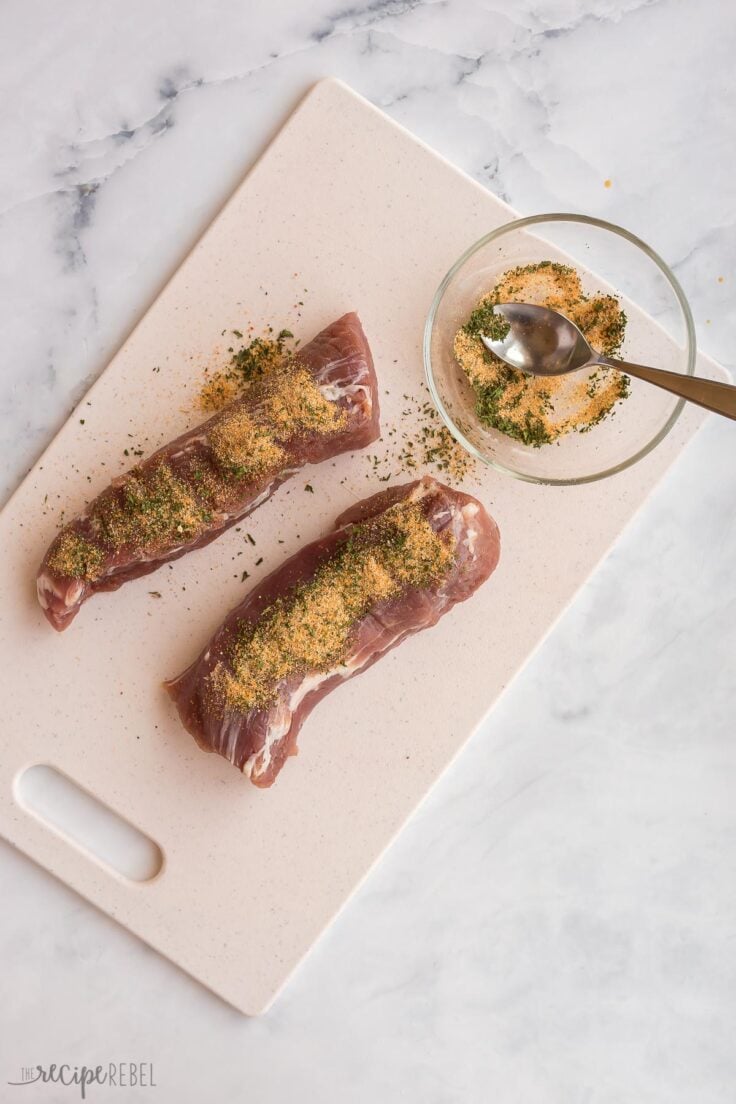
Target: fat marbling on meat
<point>416,549</point>
<point>323,402</point>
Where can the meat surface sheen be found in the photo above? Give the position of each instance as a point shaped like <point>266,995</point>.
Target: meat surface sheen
<point>339,362</point>
<point>258,741</point>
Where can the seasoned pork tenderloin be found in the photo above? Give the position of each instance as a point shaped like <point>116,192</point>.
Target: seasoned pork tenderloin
<point>324,401</point>
<point>394,564</point>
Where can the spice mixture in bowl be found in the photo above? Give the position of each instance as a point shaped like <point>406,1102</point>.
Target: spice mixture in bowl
<point>564,429</point>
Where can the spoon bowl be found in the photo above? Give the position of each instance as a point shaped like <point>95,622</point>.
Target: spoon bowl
<point>543,342</point>
<point>609,260</point>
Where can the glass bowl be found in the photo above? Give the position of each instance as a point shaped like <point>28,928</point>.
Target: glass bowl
<point>659,332</point>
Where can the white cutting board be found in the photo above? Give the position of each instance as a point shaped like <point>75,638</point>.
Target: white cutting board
<point>339,205</point>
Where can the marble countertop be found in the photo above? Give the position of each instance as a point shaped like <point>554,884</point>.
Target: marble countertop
<point>556,924</point>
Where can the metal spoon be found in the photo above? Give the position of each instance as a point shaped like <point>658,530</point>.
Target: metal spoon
<point>542,342</point>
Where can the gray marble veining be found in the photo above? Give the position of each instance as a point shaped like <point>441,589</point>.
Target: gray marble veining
<point>557,922</point>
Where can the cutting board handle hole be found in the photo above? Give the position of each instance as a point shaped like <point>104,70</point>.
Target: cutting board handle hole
<point>87,822</point>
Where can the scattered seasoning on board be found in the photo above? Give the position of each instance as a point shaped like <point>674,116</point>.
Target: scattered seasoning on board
<point>310,629</point>
<point>433,444</point>
<point>429,445</point>
<point>538,410</point>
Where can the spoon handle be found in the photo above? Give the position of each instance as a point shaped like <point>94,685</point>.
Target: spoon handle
<point>718,397</point>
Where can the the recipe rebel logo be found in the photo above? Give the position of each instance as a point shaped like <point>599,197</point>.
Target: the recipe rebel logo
<point>121,1075</point>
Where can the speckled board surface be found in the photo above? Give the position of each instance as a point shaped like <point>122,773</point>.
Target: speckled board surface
<point>333,217</point>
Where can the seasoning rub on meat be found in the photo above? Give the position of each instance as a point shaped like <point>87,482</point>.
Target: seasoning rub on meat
<point>322,402</point>
<point>394,564</point>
